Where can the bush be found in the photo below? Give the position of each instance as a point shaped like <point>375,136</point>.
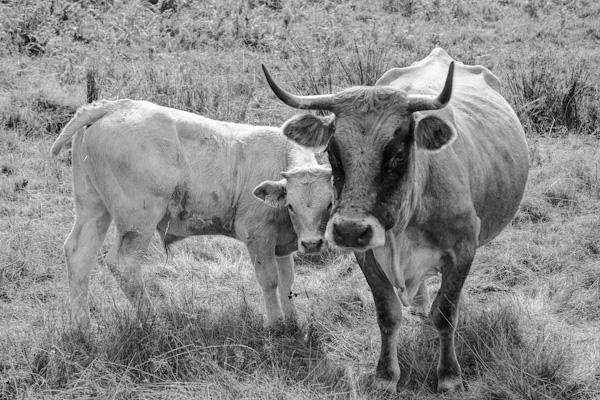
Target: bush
<point>551,98</point>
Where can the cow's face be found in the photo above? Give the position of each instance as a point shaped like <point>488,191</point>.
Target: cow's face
<point>372,142</point>
<point>307,193</point>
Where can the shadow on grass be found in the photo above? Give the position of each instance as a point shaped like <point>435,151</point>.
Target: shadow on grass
<point>183,343</point>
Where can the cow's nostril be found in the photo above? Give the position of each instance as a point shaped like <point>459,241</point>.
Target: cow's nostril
<point>337,232</point>
<point>364,237</point>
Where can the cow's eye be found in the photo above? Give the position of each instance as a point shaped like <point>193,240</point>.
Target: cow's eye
<point>290,208</point>
<point>393,163</point>
<point>329,206</point>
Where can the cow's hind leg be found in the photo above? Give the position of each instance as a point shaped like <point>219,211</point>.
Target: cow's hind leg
<point>91,223</point>
<point>286,280</point>
<point>444,314</point>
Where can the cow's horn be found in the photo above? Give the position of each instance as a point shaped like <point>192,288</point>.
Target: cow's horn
<point>318,102</point>
<point>422,103</point>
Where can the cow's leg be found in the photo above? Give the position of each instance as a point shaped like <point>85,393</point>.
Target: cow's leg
<point>286,280</point>
<point>91,223</point>
<point>389,315</point>
<point>444,313</point>
<point>262,253</point>
<point>421,303</point>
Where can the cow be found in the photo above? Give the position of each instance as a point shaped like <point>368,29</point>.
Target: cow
<point>148,168</point>
<point>425,171</point>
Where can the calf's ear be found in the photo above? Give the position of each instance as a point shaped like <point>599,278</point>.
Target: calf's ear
<point>272,193</point>
<point>309,130</point>
<point>433,133</point>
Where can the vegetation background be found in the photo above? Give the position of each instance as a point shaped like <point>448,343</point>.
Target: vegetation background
<point>531,308</point>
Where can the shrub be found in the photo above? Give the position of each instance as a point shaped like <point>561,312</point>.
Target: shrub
<point>550,98</point>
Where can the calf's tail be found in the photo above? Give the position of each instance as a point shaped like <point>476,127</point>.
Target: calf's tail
<point>85,116</point>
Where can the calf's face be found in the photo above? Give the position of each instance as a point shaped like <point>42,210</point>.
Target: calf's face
<point>308,194</point>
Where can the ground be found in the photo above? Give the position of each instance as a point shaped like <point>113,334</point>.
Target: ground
<point>531,306</point>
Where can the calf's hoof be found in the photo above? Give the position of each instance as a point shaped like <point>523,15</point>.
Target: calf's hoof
<point>80,323</point>
<point>450,384</point>
<point>275,326</point>
<point>387,385</point>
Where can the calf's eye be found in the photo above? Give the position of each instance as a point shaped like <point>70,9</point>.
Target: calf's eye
<point>290,208</point>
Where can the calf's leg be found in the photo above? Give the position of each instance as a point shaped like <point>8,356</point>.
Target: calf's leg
<point>262,253</point>
<point>91,223</point>
<point>286,280</point>
<point>135,227</point>
<point>127,270</point>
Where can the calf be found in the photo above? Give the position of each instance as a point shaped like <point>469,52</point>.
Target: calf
<point>148,168</point>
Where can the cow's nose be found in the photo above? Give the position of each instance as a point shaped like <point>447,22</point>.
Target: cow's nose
<point>312,246</point>
<point>352,234</point>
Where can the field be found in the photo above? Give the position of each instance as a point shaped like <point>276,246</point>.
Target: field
<point>530,312</point>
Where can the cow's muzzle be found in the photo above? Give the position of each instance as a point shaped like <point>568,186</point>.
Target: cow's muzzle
<point>359,234</point>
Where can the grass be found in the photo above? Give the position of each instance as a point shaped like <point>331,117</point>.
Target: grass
<point>531,306</point>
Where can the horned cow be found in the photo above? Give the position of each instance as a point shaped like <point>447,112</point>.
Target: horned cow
<point>425,171</point>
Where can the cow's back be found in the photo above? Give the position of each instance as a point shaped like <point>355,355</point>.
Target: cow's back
<point>490,152</point>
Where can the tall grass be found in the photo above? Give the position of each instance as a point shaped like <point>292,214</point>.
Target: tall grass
<point>551,98</point>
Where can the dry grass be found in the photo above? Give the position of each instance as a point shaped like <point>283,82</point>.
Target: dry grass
<point>531,310</point>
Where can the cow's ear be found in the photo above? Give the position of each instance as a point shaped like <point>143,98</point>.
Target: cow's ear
<point>309,130</point>
<point>272,193</point>
<point>432,133</point>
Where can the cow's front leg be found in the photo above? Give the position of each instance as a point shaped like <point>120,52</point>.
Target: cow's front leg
<point>389,315</point>
<point>286,280</point>
<point>444,313</point>
<point>262,253</point>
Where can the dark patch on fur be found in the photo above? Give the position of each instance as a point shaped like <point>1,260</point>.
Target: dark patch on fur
<point>180,221</point>
<point>324,220</point>
<point>336,167</point>
<point>394,165</point>
<point>287,240</point>
<point>286,248</point>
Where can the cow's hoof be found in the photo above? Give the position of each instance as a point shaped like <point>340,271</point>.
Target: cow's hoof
<point>450,384</point>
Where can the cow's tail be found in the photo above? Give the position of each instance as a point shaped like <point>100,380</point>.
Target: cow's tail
<point>85,116</point>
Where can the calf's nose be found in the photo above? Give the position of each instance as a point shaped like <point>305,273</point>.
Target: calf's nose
<point>352,234</point>
<point>312,246</point>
